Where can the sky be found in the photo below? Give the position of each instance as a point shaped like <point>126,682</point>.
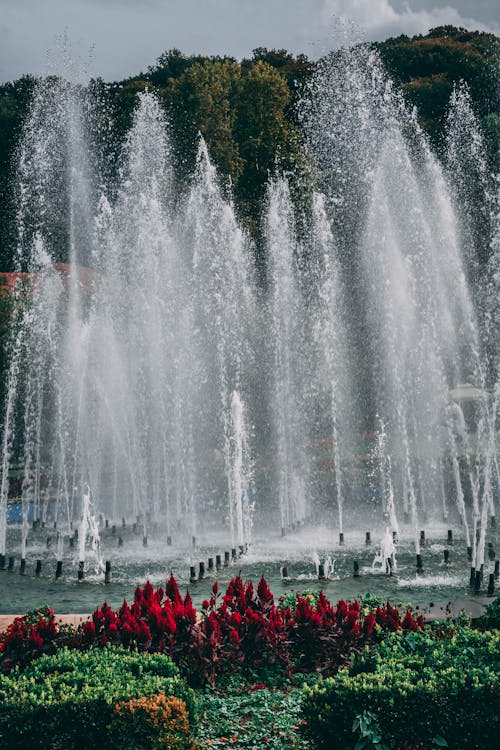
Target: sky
<point>115,39</point>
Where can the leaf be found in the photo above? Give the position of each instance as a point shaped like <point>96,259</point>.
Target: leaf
<point>440,741</point>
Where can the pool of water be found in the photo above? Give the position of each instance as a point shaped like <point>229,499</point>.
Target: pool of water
<point>133,564</point>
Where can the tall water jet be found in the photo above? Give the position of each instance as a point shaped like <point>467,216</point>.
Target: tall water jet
<point>48,173</point>
<point>153,369</point>
<point>400,242</point>
<point>286,320</point>
<point>331,378</point>
<point>239,475</point>
<point>223,312</point>
<point>123,361</point>
<point>474,192</point>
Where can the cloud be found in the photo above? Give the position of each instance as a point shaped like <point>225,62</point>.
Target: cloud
<point>128,35</point>
<point>379,19</point>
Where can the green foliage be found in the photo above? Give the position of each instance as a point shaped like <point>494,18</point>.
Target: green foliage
<point>252,716</point>
<point>67,700</point>
<point>421,690</point>
<point>492,614</point>
<point>428,66</point>
<point>366,726</point>
<point>201,100</point>
<point>14,102</point>
<point>247,112</point>
<point>289,600</point>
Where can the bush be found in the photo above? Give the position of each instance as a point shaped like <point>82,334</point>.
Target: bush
<point>492,614</point>
<point>151,723</point>
<point>68,700</point>
<point>419,688</point>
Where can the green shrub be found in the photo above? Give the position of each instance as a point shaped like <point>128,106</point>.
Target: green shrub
<point>492,614</point>
<point>67,700</point>
<point>418,688</point>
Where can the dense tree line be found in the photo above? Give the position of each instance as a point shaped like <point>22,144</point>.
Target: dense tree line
<point>247,111</point>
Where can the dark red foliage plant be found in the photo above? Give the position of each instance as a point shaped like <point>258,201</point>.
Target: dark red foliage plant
<point>242,628</point>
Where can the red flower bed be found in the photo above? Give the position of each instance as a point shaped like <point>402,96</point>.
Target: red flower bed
<point>242,627</point>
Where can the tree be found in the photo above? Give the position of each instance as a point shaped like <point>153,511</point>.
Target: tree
<point>202,100</point>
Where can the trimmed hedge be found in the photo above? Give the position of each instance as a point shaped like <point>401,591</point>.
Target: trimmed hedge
<point>69,700</point>
<point>419,688</point>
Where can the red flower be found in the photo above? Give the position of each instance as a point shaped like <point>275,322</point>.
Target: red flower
<point>89,630</point>
<point>35,640</point>
<point>264,592</point>
<point>234,637</point>
<point>369,624</point>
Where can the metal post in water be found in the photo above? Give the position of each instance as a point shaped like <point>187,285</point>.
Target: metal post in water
<point>420,565</point>
<point>356,569</point>
<point>226,559</point>
<point>192,574</point>
<point>321,572</point>
<point>81,570</point>
<point>472,577</point>
<point>22,569</point>
<point>368,538</point>
<point>58,569</point>
<point>491,585</point>
<point>341,539</point>
<point>210,564</point>
<point>446,554</point>
<point>38,568</point>
<point>218,561</point>
<point>477,581</point>
<point>107,572</point>
<point>11,564</point>
<point>450,536</point>
<point>201,573</point>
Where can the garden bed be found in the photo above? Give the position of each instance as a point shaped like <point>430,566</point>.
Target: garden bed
<point>297,672</point>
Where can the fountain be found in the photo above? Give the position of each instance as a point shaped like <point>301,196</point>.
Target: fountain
<point>157,385</point>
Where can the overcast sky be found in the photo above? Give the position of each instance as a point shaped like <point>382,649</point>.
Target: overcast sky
<point>126,36</point>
